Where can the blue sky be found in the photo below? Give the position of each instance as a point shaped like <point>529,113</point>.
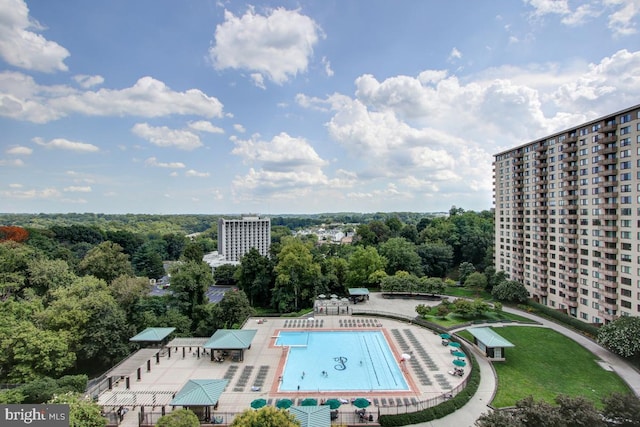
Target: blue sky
<point>169,107</point>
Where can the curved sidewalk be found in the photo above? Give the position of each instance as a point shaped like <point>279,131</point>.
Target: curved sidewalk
<point>469,413</point>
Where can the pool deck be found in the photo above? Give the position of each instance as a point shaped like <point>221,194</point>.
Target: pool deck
<point>427,372</point>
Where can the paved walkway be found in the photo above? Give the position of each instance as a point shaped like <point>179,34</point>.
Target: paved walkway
<point>468,414</point>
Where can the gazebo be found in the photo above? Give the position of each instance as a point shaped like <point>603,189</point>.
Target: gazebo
<point>200,396</point>
<point>231,340</point>
<point>155,336</point>
<point>490,343</point>
<point>312,416</point>
<point>359,294</point>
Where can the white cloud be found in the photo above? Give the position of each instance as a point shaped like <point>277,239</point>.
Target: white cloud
<point>12,162</point>
<point>545,7</point>
<point>165,137</point>
<point>65,144</point>
<point>195,173</point>
<point>621,21</point>
<point>23,99</point>
<point>327,66</point>
<point>152,161</point>
<point>239,128</point>
<point>205,126</point>
<point>88,81</point>
<point>21,47</point>
<point>622,14</point>
<point>76,189</point>
<point>434,134</point>
<point>277,45</point>
<point>258,80</point>
<point>19,151</point>
<point>46,193</point>
<point>455,54</point>
<point>286,166</point>
<point>614,81</point>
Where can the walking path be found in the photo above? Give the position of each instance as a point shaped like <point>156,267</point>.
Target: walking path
<point>468,414</point>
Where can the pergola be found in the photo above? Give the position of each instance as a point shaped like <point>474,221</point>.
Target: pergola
<point>491,344</point>
<point>187,342</point>
<point>237,340</point>
<point>133,364</point>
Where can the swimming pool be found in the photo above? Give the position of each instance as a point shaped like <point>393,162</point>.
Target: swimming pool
<point>340,361</point>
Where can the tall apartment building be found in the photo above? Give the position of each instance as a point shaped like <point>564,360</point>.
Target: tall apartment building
<point>237,236</point>
<point>567,217</point>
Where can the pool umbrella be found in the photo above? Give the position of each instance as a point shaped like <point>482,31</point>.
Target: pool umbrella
<point>333,403</point>
<point>258,403</point>
<point>361,402</point>
<point>459,354</point>
<point>459,362</point>
<point>454,344</point>
<point>445,336</point>
<point>284,403</point>
<point>309,401</point>
<point>334,296</point>
<point>322,296</point>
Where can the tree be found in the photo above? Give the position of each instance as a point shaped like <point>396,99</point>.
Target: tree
<point>469,309</point>
<point>44,274</point>
<point>179,418</point>
<point>621,410</point>
<point>622,336</point>
<point>578,411</point>
<point>193,252</point>
<point>494,277</point>
<point>96,324</point>
<point>267,416</point>
<point>174,244</point>
<point>510,291</point>
<point>32,353</point>
<point>363,263</point>
<point>11,232</point>
<point>465,269</point>
<point>129,241</point>
<point>189,282</point>
<point>128,290</point>
<point>401,255</point>
<point>296,276</point>
<point>147,262</point>
<point>437,258</point>
<point>538,413</point>
<point>498,419</point>
<point>224,275</point>
<point>476,281</point>
<point>334,274</point>
<point>254,276</point>
<point>106,261</point>
<point>233,309</point>
<point>83,412</point>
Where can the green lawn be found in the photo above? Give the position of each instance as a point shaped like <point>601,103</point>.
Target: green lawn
<point>544,364</point>
<point>462,292</point>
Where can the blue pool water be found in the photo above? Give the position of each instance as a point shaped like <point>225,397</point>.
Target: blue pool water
<point>354,361</point>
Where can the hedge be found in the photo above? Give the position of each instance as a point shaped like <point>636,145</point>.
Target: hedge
<point>441,410</point>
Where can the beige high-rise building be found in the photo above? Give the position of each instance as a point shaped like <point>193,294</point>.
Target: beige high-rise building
<point>237,236</point>
<point>567,217</point>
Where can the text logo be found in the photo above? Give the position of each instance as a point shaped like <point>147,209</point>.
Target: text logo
<point>34,415</point>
